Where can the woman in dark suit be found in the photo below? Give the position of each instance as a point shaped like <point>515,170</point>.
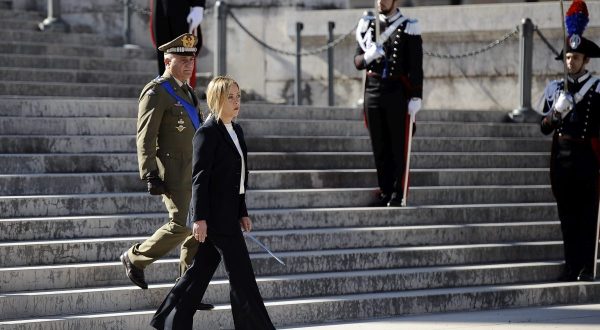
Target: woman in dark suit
<point>217,210</point>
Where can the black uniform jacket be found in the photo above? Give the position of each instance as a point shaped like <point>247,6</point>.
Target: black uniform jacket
<point>216,167</point>
<point>403,57</point>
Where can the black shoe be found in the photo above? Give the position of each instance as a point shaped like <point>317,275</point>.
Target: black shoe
<point>380,200</point>
<point>396,201</point>
<point>135,274</point>
<point>585,276</point>
<point>205,307</point>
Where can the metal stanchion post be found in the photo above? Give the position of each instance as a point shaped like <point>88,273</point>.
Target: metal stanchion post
<point>53,22</point>
<point>331,26</point>
<point>525,71</point>
<point>220,59</point>
<point>298,94</point>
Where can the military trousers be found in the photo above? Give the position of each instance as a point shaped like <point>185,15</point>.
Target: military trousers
<point>387,117</point>
<point>574,179</point>
<point>168,236</point>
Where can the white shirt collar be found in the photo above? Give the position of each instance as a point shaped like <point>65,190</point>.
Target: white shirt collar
<point>180,83</point>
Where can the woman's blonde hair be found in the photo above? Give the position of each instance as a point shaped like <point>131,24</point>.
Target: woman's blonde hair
<point>217,93</point>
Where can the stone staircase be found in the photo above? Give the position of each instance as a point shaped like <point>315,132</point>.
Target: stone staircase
<point>481,231</point>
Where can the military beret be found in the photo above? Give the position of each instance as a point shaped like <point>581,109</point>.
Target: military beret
<point>185,45</point>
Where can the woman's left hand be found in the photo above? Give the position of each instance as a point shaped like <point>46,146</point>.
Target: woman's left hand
<point>246,224</point>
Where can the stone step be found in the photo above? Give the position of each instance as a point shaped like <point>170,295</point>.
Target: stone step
<point>108,248</point>
<point>133,224</point>
<point>64,39</point>
<point>348,307</point>
<point>74,76</point>
<point>68,89</point>
<point>102,267</point>
<point>420,143</point>
<point>67,107</point>
<point>109,203</point>
<point>356,128</point>
<point>79,63</point>
<point>257,111</point>
<point>49,106</point>
<point>89,183</point>
<point>251,127</point>
<point>127,162</point>
<point>26,24</point>
<point>120,298</point>
<point>84,50</point>
<point>7,13</point>
<point>126,143</point>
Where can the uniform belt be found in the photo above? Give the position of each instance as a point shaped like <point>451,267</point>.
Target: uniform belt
<point>378,76</point>
<point>572,139</point>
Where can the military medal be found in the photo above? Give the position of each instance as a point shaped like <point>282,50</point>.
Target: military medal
<point>180,128</point>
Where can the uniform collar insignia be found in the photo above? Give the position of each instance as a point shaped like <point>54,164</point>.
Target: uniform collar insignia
<point>581,79</point>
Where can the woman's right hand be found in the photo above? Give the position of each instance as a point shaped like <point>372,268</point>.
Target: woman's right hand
<point>199,230</point>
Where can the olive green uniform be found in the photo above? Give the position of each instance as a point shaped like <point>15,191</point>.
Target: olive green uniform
<point>164,145</point>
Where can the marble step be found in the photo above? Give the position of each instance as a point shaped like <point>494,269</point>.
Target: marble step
<point>79,63</point>
<point>127,162</point>
<point>106,249</point>
<point>89,183</point>
<point>46,302</point>
<point>67,107</point>
<point>251,127</point>
<point>62,38</point>
<point>38,48</point>
<point>126,143</point>
<point>348,307</point>
<point>109,203</point>
<point>134,224</point>
<point>74,76</point>
<point>105,269</point>
<point>64,89</point>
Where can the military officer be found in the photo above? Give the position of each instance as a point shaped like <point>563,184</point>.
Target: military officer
<point>168,116</point>
<point>393,90</point>
<point>573,115</point>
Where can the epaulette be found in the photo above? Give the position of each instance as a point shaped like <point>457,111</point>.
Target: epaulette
<point>551,90</point>
<point>413,27</point>
<point>159,80</point>
<point>363,23</point>
<point>597,89</point>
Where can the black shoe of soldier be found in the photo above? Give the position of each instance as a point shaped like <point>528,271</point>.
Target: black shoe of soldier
<point>135,274</point>
<point>395,201</point>
<point>380,200</point>
<point>205,307</point>
<point>585,275</point>
<point>567,276</point>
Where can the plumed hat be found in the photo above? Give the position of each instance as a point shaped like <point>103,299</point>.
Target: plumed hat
<point>576,21</point>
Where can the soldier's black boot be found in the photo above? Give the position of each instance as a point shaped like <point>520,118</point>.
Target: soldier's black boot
<point>380,200</point>
<point>586,275</point>
<point>396,200</point>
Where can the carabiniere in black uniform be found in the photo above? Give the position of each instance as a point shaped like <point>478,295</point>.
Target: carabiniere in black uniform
<point>390,83</point>
<point>574,169</point>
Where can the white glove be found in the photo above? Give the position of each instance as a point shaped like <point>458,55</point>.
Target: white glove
<point>195,18</point>
<point>414,105</point>
<point>563,104</point>
<point>373,52</point>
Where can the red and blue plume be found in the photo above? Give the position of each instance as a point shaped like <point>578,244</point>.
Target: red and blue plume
<point>577,18</point>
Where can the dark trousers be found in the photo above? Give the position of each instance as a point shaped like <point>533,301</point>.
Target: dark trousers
<point>574,178</point>
<point>249,312</point>
<point>387,118</point>
<point>169,21</point>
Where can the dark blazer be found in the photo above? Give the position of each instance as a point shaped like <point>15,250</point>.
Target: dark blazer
<point>216,168</point>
